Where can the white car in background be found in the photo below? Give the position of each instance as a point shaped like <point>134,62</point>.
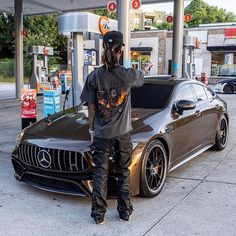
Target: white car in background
<point>226,86</point>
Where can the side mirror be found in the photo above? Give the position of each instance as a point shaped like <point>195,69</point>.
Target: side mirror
<point>184,105</point>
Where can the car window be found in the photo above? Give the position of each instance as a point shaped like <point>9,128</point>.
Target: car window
<point>185,93</point>
<point>200,92</point>
<point>151,96</point>
<point>209,93</point>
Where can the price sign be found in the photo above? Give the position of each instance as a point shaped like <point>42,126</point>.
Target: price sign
<point>169,19</point>
<point>187,18</point>
<point>111,6</point>
<point>136,4</point>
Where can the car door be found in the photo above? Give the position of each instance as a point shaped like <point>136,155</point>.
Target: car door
<point>184,138</point>
<point>210,110</point>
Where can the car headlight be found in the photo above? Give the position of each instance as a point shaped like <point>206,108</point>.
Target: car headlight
<point>19,137</point>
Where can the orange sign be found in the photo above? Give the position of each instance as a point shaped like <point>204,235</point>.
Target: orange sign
<point>111,6</point>
<point>104,25</point>
<point>187,18</point>
<point>42,87</point>
<point>28,103</point>
<point>136,4</point>
<point>45,51</point>
<point>198,43</point>
<point>169,19</point>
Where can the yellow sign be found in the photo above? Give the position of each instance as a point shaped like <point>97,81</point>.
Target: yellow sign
<point>104,25</point>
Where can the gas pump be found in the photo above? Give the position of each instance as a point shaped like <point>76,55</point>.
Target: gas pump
<point>189,45</point>
<point>79,24</point>
<point>90,61</point>
<point>39,78</point>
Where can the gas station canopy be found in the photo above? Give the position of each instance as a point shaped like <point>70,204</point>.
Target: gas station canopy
<point>39,7</point>
<point>34,7</point>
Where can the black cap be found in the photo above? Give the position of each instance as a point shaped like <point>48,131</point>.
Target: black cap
<point>113,37</point>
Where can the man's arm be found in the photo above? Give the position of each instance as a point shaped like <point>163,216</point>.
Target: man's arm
<point>136,76</point>
<point>89,95</point>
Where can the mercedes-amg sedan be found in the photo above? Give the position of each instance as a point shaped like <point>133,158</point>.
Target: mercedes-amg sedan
<point>173,121</point>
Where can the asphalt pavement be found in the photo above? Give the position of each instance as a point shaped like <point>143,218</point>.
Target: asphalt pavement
<point>199,198</point>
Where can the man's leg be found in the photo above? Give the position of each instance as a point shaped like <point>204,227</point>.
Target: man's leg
<point>102,149</point>
<point>123,161</point>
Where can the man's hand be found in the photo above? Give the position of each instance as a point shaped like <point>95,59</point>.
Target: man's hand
<point>146,67</point>
<point>91,135</point>
<point>91,116</point>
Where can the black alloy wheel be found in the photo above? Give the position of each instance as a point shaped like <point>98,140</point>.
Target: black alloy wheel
<point>229,89</point>
<point>154,169</point>
<point>222,134</point>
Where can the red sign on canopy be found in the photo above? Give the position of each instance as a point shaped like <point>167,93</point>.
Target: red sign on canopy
<point>111,6</point>
<point>187,18</point>
<point>230,32</point>
<point>136,4</point>
<point>169,19</point>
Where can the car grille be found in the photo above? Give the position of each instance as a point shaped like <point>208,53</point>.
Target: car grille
<point>61,160</point>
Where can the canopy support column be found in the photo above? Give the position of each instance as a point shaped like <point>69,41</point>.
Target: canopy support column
<point>177,46</point>
<point>123,17</point>
<point>78,65</point>
<point>19,63</point>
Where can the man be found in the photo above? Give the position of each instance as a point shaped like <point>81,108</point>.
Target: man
<point>107,92</point>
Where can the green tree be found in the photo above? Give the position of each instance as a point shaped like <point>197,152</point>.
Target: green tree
<point>6,35</point>
<point>104,12</point>
<point>203,13</point>
<point>163,26</point>
<point>43,30</point>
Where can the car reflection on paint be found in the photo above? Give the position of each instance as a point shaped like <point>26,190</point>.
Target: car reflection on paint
<point>173,121</point>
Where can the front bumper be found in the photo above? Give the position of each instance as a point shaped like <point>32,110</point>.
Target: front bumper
<point>61,181</point>
<point>219,88</point>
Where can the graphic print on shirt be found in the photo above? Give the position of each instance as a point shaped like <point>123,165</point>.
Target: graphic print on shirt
<point>111,102</point>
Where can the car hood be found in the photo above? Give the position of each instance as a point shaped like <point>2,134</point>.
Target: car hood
<point>73,126</point>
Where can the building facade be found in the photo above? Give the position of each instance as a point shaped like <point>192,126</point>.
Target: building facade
<point>216,55</point>
<point>146,20</point>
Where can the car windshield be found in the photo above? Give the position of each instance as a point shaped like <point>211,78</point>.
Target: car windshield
<point>151,96</point>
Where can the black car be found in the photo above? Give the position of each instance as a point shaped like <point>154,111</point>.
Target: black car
<point>173,121</point>
<point>226,86</point>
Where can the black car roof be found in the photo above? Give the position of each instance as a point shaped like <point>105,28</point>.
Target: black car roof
<point>152,79</point>
<point>227,80</point>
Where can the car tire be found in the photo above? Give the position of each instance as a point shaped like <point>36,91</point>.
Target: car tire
<point>154,168</point>
<point>221,134</point>
<point>229,89</point>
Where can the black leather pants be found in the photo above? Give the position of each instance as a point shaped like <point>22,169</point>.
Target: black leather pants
<point>103,149</point>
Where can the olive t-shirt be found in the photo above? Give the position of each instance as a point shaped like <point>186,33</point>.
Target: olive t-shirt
<point>109,90</point>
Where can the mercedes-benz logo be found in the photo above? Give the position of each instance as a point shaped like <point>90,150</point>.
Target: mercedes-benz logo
<point>44,158</point>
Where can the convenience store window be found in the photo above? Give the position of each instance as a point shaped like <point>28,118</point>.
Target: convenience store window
<point>223,64</point>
